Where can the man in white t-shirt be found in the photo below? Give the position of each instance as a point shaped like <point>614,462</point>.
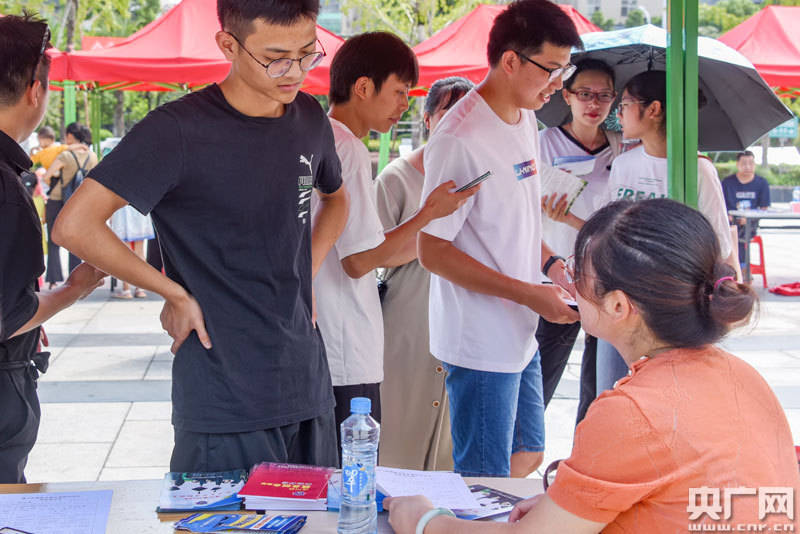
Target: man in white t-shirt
<point>487,258</point>
<point>371,75</point>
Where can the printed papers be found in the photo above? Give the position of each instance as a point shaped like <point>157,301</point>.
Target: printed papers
<point>84,512</point>
<point>575,165</point>
<point>492,503</point>
<point>446,490</point>
<point>557,182</point>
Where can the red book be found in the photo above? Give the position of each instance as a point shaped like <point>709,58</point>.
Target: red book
<point>273,486</point>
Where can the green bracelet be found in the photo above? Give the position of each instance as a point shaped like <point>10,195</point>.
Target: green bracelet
<point>430,514</point>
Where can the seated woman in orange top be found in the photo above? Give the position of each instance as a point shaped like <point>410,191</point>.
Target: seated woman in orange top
<point>651,281</point>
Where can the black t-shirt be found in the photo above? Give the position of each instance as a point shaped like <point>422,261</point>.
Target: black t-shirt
<point>229,196</point>
<point>21,256</point>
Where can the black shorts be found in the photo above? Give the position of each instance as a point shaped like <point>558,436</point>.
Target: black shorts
<point>311,442</point>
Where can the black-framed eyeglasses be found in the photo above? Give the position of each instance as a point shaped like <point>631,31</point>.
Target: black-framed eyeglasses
<point>279,67</point>
<point>563,72</point>
<point>45,40</point>
<point>587,96</point>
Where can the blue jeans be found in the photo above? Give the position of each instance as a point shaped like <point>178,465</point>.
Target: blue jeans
<point>493,415</point>
<point>610,366</point>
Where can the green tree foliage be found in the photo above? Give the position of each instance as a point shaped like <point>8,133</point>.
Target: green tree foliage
<point>635,18</point>
<point>412,20</point>
<point>601,22</point>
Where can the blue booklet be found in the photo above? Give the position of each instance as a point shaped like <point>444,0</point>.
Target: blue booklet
<point>189,492</point>
<point>221,522</point>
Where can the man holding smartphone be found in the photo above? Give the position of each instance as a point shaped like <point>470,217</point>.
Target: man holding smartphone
<point>487,258</point>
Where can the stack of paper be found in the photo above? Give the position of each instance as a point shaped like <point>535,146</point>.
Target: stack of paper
<point>443,489</point>
<point>559,183</point>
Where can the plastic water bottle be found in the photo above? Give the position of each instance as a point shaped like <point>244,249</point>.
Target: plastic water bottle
<point>358,513</point>
<point>796,194</point>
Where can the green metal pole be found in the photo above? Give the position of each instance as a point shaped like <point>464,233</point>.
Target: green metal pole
<point>96,107</point>
<point>383,152</point>
<point>675,102</point>
<point>70,107</point>
<point>691,12</point>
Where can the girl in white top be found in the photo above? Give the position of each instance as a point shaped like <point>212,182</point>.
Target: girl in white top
<point>589,93</point>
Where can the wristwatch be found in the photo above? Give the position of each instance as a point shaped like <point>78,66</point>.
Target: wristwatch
<point>549,263</point>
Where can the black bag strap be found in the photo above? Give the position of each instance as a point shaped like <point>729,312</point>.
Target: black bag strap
<point>81,167</point>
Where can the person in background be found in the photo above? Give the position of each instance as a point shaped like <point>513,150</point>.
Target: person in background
<point>45,154</point>
<point>134,229</point>
<point>487,258</point>
<point>745,190</point>
<point>589,93</point>
<point>23,102</point>
<point>371,75</point>
<point>228,172</point>
<point>60,173</point>
<point>651,280</point>
<point>415,432</point>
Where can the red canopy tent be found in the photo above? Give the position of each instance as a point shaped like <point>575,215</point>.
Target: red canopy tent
<point>460,48</point>
<point>176,48</point>
<point>770,39</point>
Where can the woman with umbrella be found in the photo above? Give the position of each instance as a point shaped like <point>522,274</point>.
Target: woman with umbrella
<point>589,93</point>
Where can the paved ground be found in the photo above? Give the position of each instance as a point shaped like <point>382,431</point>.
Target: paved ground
<point>105,400</point>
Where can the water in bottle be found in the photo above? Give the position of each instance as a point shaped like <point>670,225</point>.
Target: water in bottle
<point>796,194</point>
<point>358,513</point>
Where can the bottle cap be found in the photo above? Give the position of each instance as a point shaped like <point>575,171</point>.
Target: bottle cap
<point>360,405</point>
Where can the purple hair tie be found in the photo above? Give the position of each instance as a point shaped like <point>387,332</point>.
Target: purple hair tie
<point>718,282</point>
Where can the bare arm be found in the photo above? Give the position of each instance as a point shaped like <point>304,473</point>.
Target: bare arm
<point>556,209</point>
<point>399,245</point>
<point>532,516</point>
<point>81,228</point>
<point>442,258</point>
<point>54,169</point>
<point>81,281</point>
<point>328,225</point>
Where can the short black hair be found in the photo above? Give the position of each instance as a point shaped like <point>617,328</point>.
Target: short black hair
<point>237,16</point>
<point>666,258</point>
<point>46,132</point>
<point>648,87</point>
<point>526,25</point>
<point>80,132</point>
<point>376,55</point>
<point>745,154</point>
<point>590,64</point>
<point>445,92</point>
<point>21,59</point>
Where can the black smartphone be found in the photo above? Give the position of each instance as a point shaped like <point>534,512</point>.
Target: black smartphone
<point>474,182</point>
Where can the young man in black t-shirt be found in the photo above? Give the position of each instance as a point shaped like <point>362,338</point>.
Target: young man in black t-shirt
<point>227,173</point>
<point>23,101</point>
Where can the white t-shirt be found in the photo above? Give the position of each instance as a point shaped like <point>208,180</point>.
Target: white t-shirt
<point>636,175</point>
<point>555,142</point>
<point>500,227</point>
<point>349,310</point>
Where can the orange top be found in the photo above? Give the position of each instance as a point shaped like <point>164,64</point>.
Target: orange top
<point>688,418</point>
<point>46,156</point>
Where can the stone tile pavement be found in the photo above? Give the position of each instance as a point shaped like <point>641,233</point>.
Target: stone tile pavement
<point>106,398</point>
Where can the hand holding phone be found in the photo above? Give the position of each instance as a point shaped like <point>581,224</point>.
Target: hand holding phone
<point>475,182</point>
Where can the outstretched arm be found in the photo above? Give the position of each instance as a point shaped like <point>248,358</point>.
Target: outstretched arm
<point>81,228</point>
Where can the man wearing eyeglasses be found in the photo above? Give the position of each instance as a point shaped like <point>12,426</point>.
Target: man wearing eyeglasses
<point>487,257</point>
<point>23,101</point>
<point>227,173</point>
